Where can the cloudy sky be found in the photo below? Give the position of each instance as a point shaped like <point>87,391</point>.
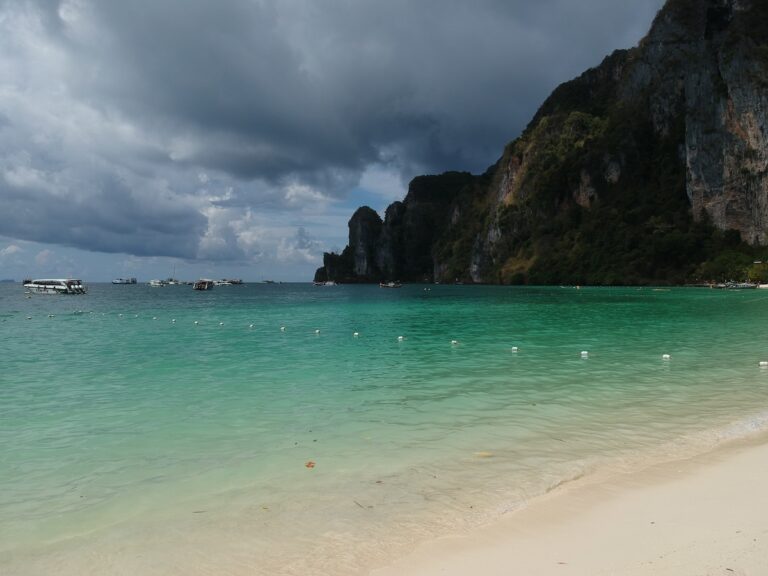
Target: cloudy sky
<point>236,137</point>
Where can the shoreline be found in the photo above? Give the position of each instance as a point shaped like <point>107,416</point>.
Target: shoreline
<point>694,516</point>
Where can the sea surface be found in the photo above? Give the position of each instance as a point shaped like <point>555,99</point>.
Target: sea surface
<point>288,429</point>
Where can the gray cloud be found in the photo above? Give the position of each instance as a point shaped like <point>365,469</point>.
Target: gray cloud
<point>111,111</point>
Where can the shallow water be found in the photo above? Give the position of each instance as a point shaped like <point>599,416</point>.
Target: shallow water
<point>131,443</point>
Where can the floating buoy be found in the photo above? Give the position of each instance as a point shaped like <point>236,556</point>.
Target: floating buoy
<point>400,338</point>
<point>665,357</point>
<point>584,354</point>
<point>514,349</point>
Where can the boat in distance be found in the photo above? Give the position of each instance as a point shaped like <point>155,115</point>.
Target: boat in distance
<point>736,286</point>
<point>203,284</point>
<point>55,286</point>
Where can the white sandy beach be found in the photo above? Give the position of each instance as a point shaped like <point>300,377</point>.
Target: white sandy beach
<point>703,516</point>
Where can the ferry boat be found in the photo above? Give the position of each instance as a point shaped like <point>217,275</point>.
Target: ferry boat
<point>55,286</point>
<point>203,284</point>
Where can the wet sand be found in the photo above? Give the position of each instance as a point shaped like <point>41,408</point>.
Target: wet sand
<point>703,516</point>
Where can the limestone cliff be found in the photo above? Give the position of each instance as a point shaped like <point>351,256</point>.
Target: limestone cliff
<point>651,167</point>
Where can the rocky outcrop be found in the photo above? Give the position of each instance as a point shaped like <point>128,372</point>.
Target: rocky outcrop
<point>647,168</point>
<point>400,247</point>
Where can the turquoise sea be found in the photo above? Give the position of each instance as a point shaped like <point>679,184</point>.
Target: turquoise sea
<point>167,431</point>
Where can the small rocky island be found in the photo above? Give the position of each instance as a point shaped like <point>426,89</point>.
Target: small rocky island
<point>651,168</point>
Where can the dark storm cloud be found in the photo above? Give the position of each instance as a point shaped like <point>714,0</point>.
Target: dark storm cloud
<point>152,127</point>
<point>111,218</point>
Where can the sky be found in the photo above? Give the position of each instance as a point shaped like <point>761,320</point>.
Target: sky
<point>235,138</point>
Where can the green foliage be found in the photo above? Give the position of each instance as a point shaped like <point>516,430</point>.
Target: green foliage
<point>727,265</point>
<point>758,272</point>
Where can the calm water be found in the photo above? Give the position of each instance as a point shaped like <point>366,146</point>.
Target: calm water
<point>135,441</point>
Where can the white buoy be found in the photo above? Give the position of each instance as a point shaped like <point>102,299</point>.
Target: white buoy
<point>584,354</point>
<point>355,334</point>
<point>514,349</point>
<point>763,364</point>
<point>400,338</point>
<point>666,357</point>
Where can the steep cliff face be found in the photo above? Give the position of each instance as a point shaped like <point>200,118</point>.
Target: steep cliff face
<point>644,169</point>
<point>708,58</point>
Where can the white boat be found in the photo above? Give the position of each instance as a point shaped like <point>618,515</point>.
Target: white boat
<point>55,286</point>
